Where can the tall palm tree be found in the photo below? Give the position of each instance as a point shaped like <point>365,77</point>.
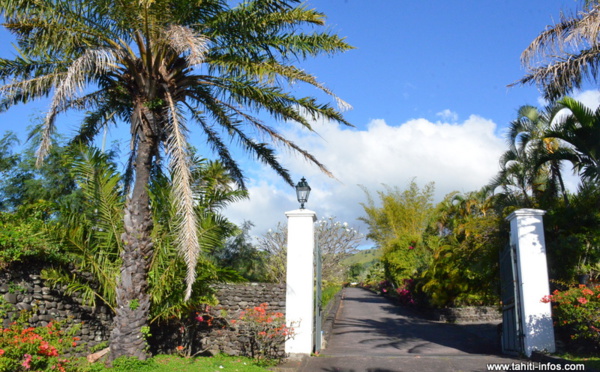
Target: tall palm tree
<point>528,132</point>
<point>155,65</point>
<point>517,178</point>
<point>562,56</point>
<point>530,172</point>
<point>579,129</point>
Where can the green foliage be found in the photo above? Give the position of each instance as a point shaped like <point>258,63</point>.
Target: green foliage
<point>213,192</point>
<point>375,275</point>
<point>576,312</point>
<point>572,235</point>
<point>40,349</point>
<point>27,197</point>
<point>89,234</point>
<point>240,254</point>
<point>134,304</point>
<point>359,263</point>
<point>363,257</point>
<point>397,226</point>
<point>355,272</point>
<point>328,293</point>
<point>138,64</point>
<point>464,240</point>
<point>21,234</point>
<point>127,364</point>
<point>22,183</point>
<point>442,256</point>
<point>89,231</point>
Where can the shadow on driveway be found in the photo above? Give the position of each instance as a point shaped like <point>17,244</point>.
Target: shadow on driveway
<point>368,324</point>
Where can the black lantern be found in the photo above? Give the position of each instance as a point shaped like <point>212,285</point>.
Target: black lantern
<point>302,192</point>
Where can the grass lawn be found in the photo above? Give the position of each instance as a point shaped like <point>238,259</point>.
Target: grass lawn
<point>589,361</point>
<point>365,257</point>
<point>172,363</point>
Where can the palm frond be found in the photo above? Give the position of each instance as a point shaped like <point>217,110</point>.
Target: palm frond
<point>177,147</point>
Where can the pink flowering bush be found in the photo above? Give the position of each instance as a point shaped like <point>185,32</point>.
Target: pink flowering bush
<point>405,292</point>
<point>266,332</point>
<point>576,313</point>
<point>385,286</point>
<point>35,349</point>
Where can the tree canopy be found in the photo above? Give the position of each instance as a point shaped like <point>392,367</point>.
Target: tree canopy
<point>158,66</point>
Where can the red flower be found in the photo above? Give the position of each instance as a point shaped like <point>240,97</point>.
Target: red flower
<point>587,291</point>
<point>546,299</point>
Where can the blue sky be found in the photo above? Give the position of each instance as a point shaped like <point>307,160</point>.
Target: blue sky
<point>428,85</point>
<point>414,59</point>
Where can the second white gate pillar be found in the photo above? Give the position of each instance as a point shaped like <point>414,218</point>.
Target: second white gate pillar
<point>527,235</point>
<point>299,305</point>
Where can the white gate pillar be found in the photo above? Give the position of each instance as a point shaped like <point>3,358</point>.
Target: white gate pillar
<point>527,234</point>
<point>299,298</point>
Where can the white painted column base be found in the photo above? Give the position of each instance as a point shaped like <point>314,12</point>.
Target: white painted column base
<point>299,305</point>
<point>527,234</point>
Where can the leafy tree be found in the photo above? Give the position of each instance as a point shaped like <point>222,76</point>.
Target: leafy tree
<point>335,239</point>
<point>22,183</point>
<point>27,196</point>
<point>157,65</point>
<point>572,239</point>
<point>240,254</point>
<point>463,269</point>
<point>274,244</point>
<point>355,272</point>
<point>397,226</point>
<point>562,56</point>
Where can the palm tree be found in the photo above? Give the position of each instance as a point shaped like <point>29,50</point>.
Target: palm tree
<point>530,172</point>
<point>517,178</point>
<point>562,56</point>
<point>579,131</point>
<point>528,132</point>
<point>157,65</point>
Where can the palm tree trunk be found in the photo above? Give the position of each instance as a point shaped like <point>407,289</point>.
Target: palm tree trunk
<point>133,301</point>
<point>556,169</point>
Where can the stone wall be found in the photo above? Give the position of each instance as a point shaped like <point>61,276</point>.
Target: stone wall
<point>233,299</point>
<point>22,288</point>
<point>470,314</point>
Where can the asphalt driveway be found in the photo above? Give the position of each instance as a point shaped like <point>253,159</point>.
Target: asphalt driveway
<point>371,334</point>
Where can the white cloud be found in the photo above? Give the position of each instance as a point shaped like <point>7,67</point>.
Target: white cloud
<point>462,156</point>
<point>590,98</point>
<point>448,115</point>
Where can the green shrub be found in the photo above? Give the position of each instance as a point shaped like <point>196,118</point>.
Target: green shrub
<point>576,312</point>
<point>21,234</point>
<point>328,293</point>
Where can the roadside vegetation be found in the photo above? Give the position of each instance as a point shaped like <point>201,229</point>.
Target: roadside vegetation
<point>69,204</point>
